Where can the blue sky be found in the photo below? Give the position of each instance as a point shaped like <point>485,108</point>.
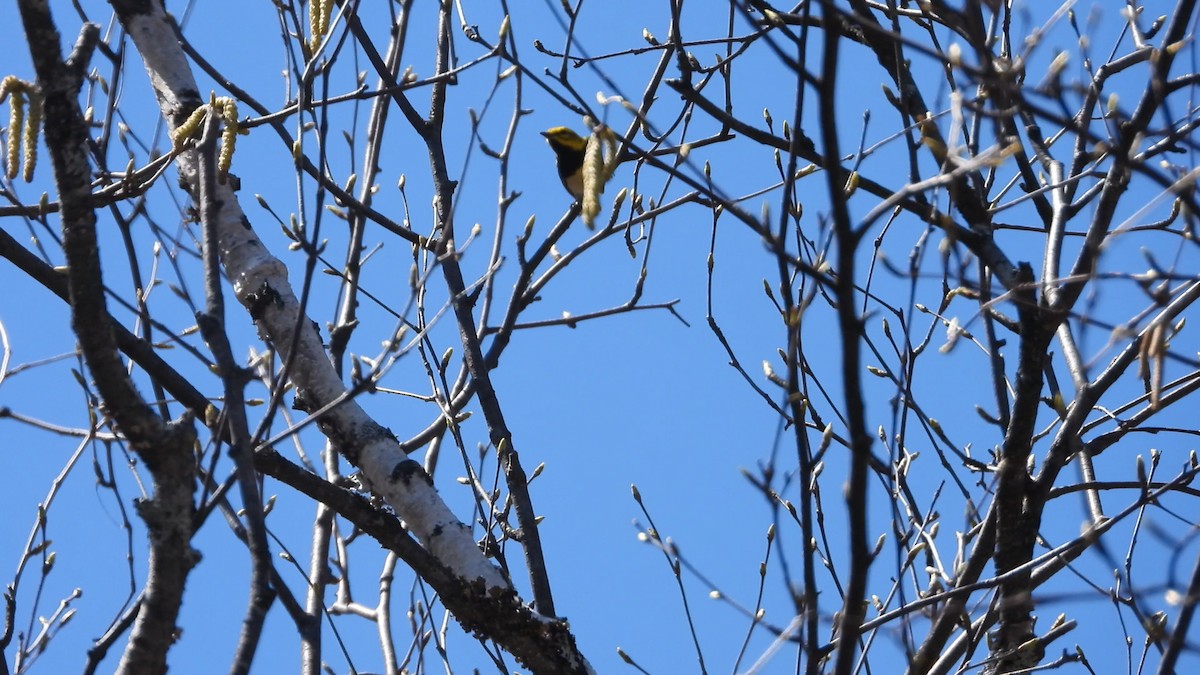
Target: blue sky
<point>637,399</point>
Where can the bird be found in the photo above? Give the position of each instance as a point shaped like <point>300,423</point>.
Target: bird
<point>569,148</point>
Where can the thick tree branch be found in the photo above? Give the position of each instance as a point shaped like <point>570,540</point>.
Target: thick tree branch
<point>165,449</point>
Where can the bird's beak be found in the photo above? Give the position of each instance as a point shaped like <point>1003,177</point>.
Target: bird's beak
<point>543,133</point>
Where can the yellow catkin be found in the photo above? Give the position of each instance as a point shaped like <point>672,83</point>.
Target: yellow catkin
<point>599,162</point>
<point>189,127</point>
<point>316,10</point>
<point>593,181</point>
<point>32,123</point>
<point>16,122</point>
<point>319,13</point>
<point>229,116</point>
<point>326,14</point>
<point>225,109</point>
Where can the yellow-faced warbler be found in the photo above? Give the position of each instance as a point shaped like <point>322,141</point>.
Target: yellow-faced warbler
<point>584,165</point>
<point>569,149</point>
